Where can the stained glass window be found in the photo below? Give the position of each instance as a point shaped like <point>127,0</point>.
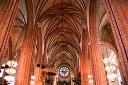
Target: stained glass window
<point>64,71</point>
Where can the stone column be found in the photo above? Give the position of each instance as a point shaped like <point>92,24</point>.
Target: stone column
<point>85,61</point>
<point>117,11</point>
<point>38,70</point>
<point>24,63</point>
<point>99,77</point>
<point>8,11</point>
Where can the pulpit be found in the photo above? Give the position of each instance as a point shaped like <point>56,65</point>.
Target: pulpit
<point>48,74</point>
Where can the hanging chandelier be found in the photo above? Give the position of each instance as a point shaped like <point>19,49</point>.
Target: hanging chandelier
<point>90,77</point>
<point>111,76</point>
<point>12,64</point>
<point>110,68</point>
<point>107,60</point>
<point>90,81</point>
<point>32,82</point>
<point>11,69</point>
<point>9,78</point>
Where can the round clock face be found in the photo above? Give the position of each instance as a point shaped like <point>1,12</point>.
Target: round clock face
<point>64,71</point>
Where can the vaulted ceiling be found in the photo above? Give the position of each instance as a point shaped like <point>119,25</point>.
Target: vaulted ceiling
<point>61,24</point>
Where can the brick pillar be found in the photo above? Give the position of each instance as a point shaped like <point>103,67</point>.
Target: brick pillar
<point>24,62</point>
<point>38,76</point>
<point>85,61</point>
<point>10,56</point>
<point>96,55</point>
<point>38,70</point>
<point>8,11</point>
<point>45,53</point>
<point>117,11</point>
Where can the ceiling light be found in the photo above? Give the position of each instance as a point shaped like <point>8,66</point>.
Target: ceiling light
<point>9,78</point>
<point>111,76</point>
<point>12,63</point>
<point>110,68</point>
<point>10,70</point>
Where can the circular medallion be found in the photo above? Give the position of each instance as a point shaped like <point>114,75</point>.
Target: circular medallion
<point>64,71</point>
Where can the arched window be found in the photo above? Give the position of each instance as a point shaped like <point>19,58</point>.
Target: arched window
<point>111,65</point>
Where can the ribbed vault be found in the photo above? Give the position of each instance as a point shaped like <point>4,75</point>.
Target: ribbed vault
<point>62,33</point>
<point>61,23</point>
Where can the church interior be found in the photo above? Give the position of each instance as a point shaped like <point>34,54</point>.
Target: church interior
<point>64,42</point>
